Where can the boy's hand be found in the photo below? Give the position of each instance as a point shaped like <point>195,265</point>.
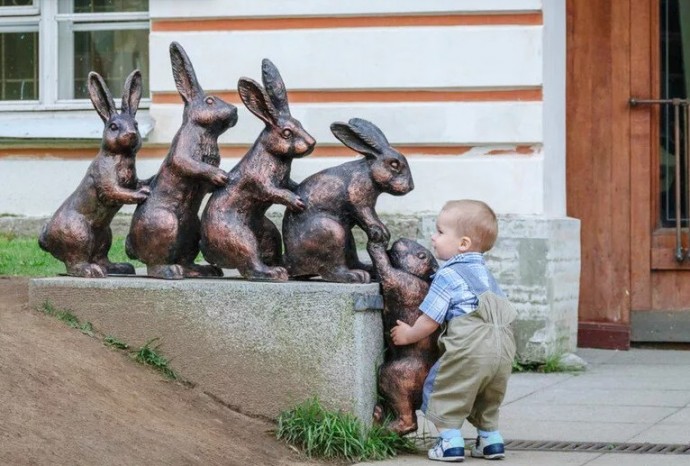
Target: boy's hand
<point>401,334</point>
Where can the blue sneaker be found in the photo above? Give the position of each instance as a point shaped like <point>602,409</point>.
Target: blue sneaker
<point>452,449</point>
<point>489,446</point>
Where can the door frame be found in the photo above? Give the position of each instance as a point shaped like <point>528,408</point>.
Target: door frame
<point>599,140</point>
<point>627,275</point>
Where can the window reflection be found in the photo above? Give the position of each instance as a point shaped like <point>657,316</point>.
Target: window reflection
<point>18,65</point>
<point>675,60</point>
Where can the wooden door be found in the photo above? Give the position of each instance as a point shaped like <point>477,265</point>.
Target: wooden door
<point>632,287</point>
<point>661,282</point>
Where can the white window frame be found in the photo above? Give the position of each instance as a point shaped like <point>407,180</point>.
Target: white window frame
<point>20,10</point>
<point>54,58</point>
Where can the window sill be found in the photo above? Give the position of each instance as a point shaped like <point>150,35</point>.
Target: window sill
<point>79,124</point>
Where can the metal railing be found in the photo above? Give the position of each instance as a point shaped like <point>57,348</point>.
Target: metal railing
<point>678,106</point>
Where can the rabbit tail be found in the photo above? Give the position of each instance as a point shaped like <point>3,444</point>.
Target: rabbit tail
<point>42,238</point>
<point>129,250</point>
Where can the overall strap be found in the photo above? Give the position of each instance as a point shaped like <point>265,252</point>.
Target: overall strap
<point>478,278</point>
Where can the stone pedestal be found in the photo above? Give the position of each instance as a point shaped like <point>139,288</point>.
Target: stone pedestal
<point>259,347</point>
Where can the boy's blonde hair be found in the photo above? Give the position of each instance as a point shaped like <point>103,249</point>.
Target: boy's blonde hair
<point>474,219</point>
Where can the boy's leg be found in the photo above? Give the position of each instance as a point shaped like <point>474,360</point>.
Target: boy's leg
<point>484,416</point>
<point>450,446</point>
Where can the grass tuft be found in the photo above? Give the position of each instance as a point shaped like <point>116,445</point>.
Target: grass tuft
<point>552,364</point>
<point>115,343</point>
<point>150,356</point>
<point>68,318</point>
<point>337,435</point>
<point>144,355</point>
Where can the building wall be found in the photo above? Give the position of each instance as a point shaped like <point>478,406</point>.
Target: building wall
<point>457,88</point>
<point>473,93</point>
<point>456,85</point>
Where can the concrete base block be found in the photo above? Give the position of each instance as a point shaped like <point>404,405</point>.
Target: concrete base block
<point>260,347</point>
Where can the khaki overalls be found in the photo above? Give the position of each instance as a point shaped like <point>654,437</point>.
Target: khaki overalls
<point>469,380</point>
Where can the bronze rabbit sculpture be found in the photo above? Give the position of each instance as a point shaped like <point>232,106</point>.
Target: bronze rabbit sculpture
<point>79,232</point>
<point>318,240</point>
<point>235,232</point>
<point>405,273</point>
<point>165,229</point>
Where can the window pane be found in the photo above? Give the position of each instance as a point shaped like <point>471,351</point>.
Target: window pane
<point>19,66</point>
<point>675,76</point>
<point>113,54</point>
<point>16,2</point>
<point>110,6</point>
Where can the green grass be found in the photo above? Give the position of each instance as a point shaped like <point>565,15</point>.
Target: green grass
<point>115,343</point>
<point>151,357</point>
<point>146,355</point>
<point>68,318</point>
<point>337,435</point>
<point>552,364</point>
<point>21,256</point>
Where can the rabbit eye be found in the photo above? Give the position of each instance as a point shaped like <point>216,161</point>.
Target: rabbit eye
<point>113,126</point>
<point>287,134</point>
<point>209,100</point>
<point>421,255</point>
<point>395,165</point>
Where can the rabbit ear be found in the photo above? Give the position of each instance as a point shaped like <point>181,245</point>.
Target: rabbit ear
<point>183,72</point>
<point>100,97</point>
<point>356,139</point>
<point>132,93</point>
<point>370,133</point>
<point>275,87</point>
<point>257,101</point>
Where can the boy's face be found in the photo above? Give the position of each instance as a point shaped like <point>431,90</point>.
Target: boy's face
<point>446,241</point>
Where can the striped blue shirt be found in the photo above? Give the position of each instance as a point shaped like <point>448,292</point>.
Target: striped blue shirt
<point>449,294</point>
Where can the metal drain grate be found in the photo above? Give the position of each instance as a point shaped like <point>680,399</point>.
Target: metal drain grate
<point>639,448</point>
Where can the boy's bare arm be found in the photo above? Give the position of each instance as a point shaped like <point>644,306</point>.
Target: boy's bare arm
<point>403,334</point>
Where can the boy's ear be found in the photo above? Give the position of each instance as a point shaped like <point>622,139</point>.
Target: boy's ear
<point>465,244</point>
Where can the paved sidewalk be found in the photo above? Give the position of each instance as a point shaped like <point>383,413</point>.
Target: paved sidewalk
<point>636,396</point>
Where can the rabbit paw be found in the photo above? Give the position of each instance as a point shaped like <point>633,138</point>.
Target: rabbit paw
<point>87,270</point>
<point>268,273</point>
<point>374,246</point>
<point>197,270</point>
<point>347,276</point>
<point>379,234</point>
<point>296,204</point>
<point>166,271</point>
<point>142,194</point>
<point>377,415</point>
<point>219,178</point>
<point>403,426</point>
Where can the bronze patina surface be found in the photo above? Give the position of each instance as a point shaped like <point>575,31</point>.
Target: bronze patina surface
<point>79,232</point>
<point>165,229</point>
<point>235,230</point>
<point>318,240</point>
<point>405,272</point>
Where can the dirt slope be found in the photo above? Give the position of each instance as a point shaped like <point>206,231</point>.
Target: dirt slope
<point>66,399</point>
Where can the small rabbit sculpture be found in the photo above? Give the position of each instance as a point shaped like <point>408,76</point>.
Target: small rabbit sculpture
<point>318,240</point>
<point>405,273</point>
<point>79,234</point>
<point>235,232</point>
<point>164,233</point>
